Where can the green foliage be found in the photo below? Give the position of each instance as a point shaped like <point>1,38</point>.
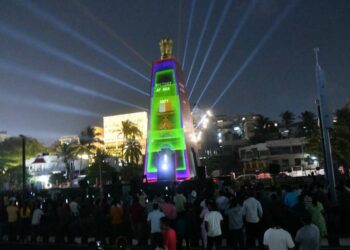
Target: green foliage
<point>287,118</point>
<point>132,152</point>
<point>340,139</point>
<point>130,130</point>
<point>308,126</point>
<point>88,141</point>
<point>100,164</point>
<point>264,130</point>
<point>131,148</point>
<point>11,151</point>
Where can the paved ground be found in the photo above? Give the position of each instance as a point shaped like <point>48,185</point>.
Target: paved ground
<point>23,246</point>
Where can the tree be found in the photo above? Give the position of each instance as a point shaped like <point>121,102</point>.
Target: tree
<point>100,166</point>
<point>11,151</point>
<point>11,159</point>
<point>264,130</point>
<point>67,152</point>
<point>89,141</point>
<point>130,132</point>
<point>287,118</point>
<point>308,125</point>
<point>132,154</point>
<point>340,139</point>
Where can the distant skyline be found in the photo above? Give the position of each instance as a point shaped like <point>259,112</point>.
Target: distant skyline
<point>66,64</point>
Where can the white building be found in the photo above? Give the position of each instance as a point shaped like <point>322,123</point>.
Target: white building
<point>3,136</point>
<point>288,153</point>
<point>41,167</point>
<point>69,139</point>
<point>112,126</point>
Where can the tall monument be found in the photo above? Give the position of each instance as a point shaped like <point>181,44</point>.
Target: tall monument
<point>171,152</point>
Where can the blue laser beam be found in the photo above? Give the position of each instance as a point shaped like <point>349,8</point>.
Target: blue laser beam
<point>7,97</point>
<point>189,28</point>
<point>204,28</point>
<point>228,48</point>
<point>274,27</point>
<point>8,30</point>
<point>217,29</point>
<point>65,28</point>
<point>42,135</point>
<point>19,70</point>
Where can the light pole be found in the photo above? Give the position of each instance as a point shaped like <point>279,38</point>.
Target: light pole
<point>23,163</point>
<point>100,173</point>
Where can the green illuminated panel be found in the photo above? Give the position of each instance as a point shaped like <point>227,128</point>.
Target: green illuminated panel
<point>165,124</point>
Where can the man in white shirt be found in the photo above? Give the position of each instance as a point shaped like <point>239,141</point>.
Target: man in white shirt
<point>74,208</point>
<point>253,212</point>
<point>276,238</point>
<point>36,219</point>
<point>213,221</point>
<point>154,219</point>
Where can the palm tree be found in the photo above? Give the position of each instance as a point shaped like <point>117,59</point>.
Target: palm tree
<point>130,131</point>
<point>67,152</point>
<point>264,129</point>
<point>88,143</point>
<point>287,118</point>
<point>88,138</point>
<point>308,124</point>
<point>133,152</point>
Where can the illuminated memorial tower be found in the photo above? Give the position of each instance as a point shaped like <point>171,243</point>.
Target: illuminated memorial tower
<point>171,152</point>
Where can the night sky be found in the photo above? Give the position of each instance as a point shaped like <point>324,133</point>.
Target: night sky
<point>59,69</point>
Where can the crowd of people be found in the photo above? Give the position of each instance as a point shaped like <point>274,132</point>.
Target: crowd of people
<point>179,218</point>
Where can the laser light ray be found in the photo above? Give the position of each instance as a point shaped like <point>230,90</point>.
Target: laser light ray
<point>217,29</point>
<point>83,90</point>
<point>46,135</point>
<point>228,47</point>
<point>204,28</point>
<point>7,97</point>
<point>188,33</point>
<point>65,28</point>
<point>19,70</point>
<point>8,30</point>
<point>110,31</point>
<point>179,30</point>
<point>275,25</point>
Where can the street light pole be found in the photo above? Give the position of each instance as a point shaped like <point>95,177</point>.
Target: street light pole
<point>326,125</point>
<point>23,163</point>
<point>100,173</point>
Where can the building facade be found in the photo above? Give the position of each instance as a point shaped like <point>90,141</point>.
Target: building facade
<point>112,135</point>
<point>69,139</point>
<point>288,153</point>
<point>42,166</point>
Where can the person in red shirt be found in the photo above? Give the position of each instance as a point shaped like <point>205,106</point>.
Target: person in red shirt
<point>169,234</point>
<point>168,209</point>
